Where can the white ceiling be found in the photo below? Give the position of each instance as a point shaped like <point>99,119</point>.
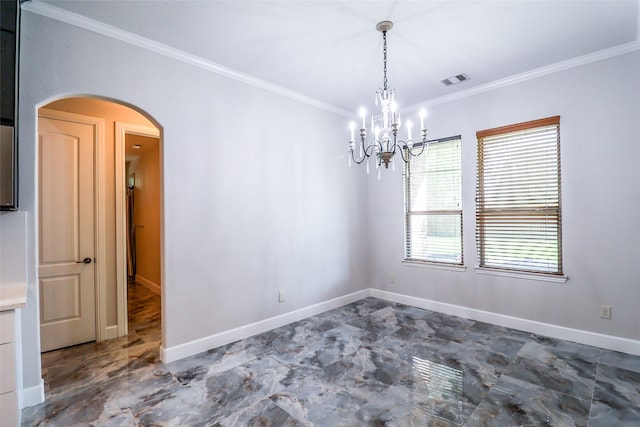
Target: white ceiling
<point>330,50</point>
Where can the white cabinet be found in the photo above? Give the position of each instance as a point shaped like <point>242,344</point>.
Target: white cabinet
<point>13,296</point>
<point>8,394</point>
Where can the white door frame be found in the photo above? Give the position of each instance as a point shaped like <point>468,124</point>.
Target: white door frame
<point>102,332</point>
<point>121,242</point>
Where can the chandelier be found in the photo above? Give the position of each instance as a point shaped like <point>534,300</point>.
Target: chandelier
<point>384,127</point>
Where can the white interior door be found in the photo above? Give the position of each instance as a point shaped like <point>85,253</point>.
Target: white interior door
<point>67,236</point>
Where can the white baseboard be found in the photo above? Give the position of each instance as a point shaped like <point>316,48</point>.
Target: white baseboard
<point>33,395</point>
<point>111,332</point>
<point>170,354</point>
<point>153,287</point>
<point>624,345</point>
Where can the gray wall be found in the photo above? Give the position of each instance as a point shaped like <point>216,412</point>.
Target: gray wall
<point>257,195</point>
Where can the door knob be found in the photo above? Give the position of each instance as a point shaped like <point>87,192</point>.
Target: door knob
<point>87,260</point>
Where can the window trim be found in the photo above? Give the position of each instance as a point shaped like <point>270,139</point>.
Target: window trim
<point>420,262</point>
<point>549,121</point>
<point>513,271</point>
<point>542,277</point>
<point>411,262</point>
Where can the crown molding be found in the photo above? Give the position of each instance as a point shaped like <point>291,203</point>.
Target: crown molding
<point>532,74</point>
<point>110,31</point>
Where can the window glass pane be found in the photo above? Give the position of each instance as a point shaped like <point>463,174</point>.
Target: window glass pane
<point>436,237</point>
<point>433,203</point>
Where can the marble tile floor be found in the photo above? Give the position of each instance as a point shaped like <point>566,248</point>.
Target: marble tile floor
<point>369,363</point>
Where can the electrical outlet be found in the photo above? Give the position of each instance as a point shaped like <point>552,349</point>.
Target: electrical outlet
<point>392,278</point>
<point>605,311</point>
<point>281,296</point>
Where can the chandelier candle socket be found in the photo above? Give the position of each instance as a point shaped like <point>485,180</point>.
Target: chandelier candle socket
<point>385,125</point>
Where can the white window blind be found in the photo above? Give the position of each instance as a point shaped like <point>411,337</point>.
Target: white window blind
<point>518,220</point>
<point>433,204</point>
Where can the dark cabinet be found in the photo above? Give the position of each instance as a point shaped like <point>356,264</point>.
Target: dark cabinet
<point>9,36</point>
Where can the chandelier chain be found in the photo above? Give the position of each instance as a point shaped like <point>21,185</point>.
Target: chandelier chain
<point>384,51</point>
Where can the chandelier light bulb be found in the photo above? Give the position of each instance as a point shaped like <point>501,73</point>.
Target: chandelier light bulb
<point>394,111</point>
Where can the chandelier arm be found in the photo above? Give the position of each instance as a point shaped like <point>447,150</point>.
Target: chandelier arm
<point>357,162</point>
<point>364,157</point>
<point>424,144</point>
<point>366,150</point>
<point>404,159</point>
<point>409,150</point>
<point>375,144</point>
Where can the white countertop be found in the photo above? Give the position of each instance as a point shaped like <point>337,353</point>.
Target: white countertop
<point>12,297</point>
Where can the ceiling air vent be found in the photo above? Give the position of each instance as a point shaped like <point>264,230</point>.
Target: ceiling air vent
<point>458,78</point>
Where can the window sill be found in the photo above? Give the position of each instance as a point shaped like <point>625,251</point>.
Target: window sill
<point>436,265</point>
<point>522,275</point>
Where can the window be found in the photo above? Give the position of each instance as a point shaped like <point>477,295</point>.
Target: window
<point>433,204</point>
<point>518,221</point>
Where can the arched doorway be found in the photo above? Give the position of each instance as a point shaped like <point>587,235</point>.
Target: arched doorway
<point>110,124</point>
